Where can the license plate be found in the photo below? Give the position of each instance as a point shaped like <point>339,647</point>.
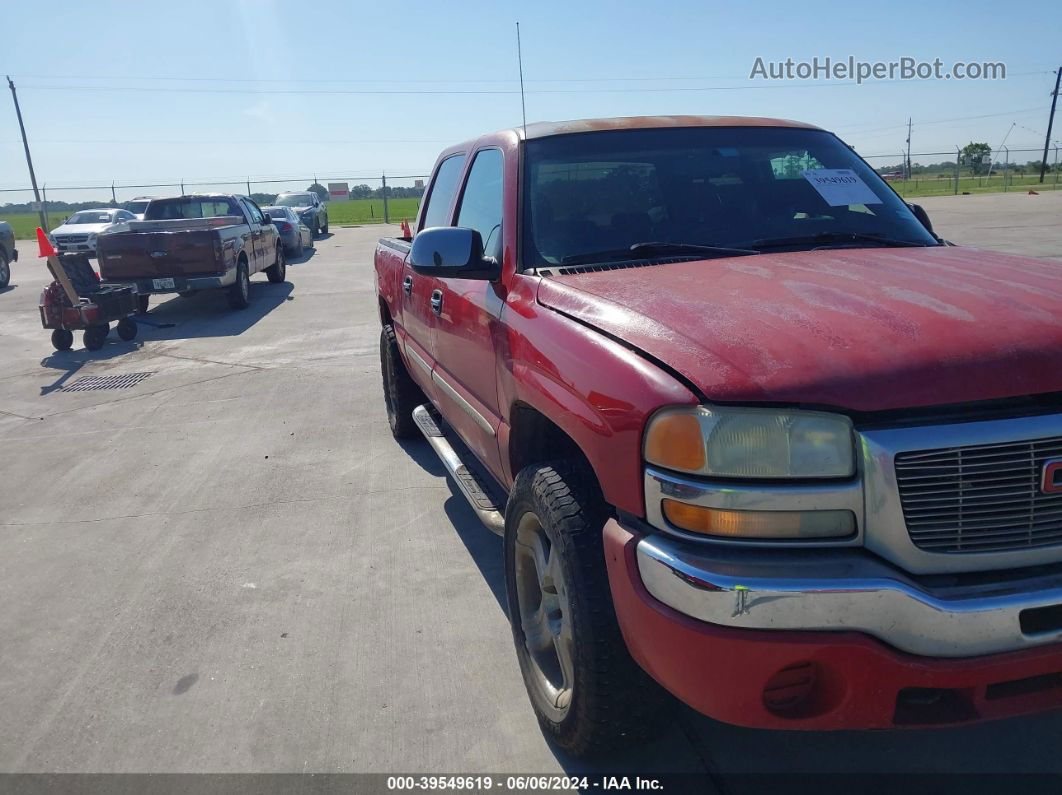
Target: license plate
<point>162,284</point>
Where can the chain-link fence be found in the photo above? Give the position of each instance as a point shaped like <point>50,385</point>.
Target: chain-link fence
<point>959,172</point>
<point>351,199</point>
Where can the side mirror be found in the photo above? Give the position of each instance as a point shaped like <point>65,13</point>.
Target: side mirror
<point>923,218</point>
<point>452,251</point>
<point>266,219</point>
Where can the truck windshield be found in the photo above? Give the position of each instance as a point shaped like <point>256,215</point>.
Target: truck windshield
<point>191,207</point>
<point>753,188</point>
<point>294,200</point>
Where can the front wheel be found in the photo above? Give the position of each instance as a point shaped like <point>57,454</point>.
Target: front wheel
<point>127,329</point>
<point>240,291</point>
<point>5,271</point>
<point>279,269</point>
<point>62,339</point>
<point>587,692</point>
<point>325,227</point>
<point>95,336</point>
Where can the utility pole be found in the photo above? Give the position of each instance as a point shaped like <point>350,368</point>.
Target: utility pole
<point>48,221</point>
<point>908,147</point>
<point>29,160</point>
<point>1050,121</point>
<point>383,190</point>
<point>113,198</point>
<point>248,187</point>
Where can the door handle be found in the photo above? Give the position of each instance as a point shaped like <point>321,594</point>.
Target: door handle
<point>436,302</point>
<point>407,285</point>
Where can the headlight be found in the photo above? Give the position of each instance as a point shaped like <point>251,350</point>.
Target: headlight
<point>751,443</point>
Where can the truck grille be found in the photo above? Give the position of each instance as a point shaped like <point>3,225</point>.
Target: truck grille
<point>980,498</point>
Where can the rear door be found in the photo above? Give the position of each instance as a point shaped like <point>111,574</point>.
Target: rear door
<point>467,312</point>
<point>416,317</point>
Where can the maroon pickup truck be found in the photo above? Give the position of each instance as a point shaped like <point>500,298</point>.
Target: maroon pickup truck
<point>749,428</point>
<point>194,242</point>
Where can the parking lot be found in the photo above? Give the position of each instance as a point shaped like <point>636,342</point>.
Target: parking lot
<point>230,566</point>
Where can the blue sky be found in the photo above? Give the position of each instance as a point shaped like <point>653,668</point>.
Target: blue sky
<point>261,72</point>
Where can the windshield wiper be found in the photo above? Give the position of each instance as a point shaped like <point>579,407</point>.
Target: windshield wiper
<point>826,238</point>
<point>652,247</point>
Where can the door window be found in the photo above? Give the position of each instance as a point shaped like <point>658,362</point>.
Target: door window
<point>481,203</point>
<point>441,196</point>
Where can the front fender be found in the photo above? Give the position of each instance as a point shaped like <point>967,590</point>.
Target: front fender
<point>597,391</point>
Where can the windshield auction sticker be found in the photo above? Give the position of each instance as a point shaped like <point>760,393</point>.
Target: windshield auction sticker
<point>840,186</point>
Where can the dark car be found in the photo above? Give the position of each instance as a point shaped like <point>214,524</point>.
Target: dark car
<point>308,207</point>
<point>295,234</point>
<point>8,252</point>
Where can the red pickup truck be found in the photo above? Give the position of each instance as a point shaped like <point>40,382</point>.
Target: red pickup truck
<point>745,422</point>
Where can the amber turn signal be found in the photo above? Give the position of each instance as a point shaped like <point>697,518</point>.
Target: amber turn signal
<point>795,525</point>
<point>676,441</point>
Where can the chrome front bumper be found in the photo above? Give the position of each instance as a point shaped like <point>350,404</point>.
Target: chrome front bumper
<point>849,590</point>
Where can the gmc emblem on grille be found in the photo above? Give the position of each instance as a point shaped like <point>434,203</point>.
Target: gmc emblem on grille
<point>1051,482</point>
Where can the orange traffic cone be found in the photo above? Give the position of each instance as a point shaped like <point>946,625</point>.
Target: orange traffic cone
<point>45,244</point>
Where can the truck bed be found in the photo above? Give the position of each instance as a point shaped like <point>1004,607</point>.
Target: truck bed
<point>164,248</point>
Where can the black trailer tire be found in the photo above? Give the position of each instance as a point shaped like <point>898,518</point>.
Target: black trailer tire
<point>127,329</point>
<point>5,271</point>
<point>95,336</point>
<point>62,339</point>
<point>589,696</point>
<point>279,269</point>
<point>401,393</point>
<point>143,300</point>
<point>239,294</point>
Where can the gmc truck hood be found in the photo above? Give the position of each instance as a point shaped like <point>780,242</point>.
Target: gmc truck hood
<point>861,329</point>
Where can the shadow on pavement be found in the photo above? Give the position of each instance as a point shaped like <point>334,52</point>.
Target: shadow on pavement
<point>207,313</point>
<point>70,362</point>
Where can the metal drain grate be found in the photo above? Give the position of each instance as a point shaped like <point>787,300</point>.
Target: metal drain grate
<point>106,382</point>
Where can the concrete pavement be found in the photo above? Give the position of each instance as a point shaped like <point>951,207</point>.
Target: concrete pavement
<point>231,566</point>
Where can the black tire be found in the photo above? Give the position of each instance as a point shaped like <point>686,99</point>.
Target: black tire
<point>143,300</point>
<point>298,249</point>
<point>95,336</point>
<point>279,269</point>
<point>610,702</point>
<point>127,329</point>
<point>5,271</point>
<point>239,293</point>
<point>62,339</point>
<point>401,393</point>
<point>325,227</point>
<point>316,229</point>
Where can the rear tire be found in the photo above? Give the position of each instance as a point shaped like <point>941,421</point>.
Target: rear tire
<point>298,249</point>
<point>5,271</point>
<point>588,694</point>
<point>239,294</point>
<point>325,227</point>
<point>62,339</point>
<point>143,300</point>
<point>279,269</point>
<point>401,393</point>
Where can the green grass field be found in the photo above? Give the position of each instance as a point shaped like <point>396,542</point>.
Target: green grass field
<point>357,211</point>
<point>944,184</point>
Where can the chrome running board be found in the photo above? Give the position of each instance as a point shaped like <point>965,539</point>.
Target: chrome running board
<point>467,481</point>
